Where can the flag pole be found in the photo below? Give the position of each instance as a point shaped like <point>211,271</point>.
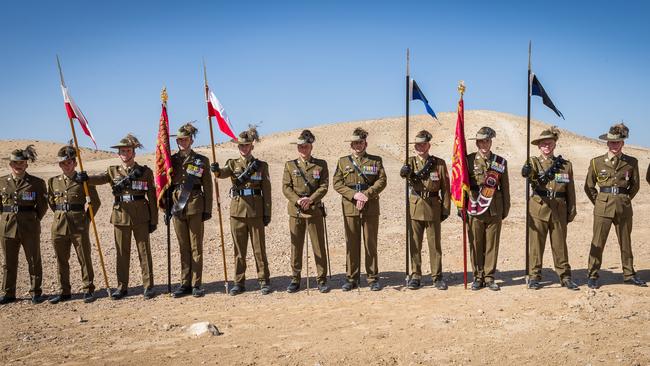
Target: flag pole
<point>216,182</point>
<point>168,207</point>
<point>527,160</point>
<point>406,183</point>
<point>461,90</point>
<point>91,212</point>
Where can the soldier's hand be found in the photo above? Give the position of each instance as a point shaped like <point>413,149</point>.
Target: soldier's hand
<point>305,203</point>
<point>214,167</point>
<point>405,172</point>
<point>525,170</point>
<point>266,220</point>
<point>152,228</point>
<point>360,205</point>
<point>81,177</point>
<point>360,197</point>
<point>206,216</point>
<point>443,217</point>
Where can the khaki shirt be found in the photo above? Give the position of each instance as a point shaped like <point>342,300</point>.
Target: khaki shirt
<point>563,209</point>
<point>63,190</point>
<point>197,167</point>
<point>478,167</point>
<point>248,206</point>
<point>294,186</point>
<point>346,177</point>
<point>133,212</point>
<point>437,182</point>
<point>602,173</point>
<point>29,191</point>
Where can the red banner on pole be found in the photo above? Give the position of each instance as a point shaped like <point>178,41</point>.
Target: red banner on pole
<point>163,155</point>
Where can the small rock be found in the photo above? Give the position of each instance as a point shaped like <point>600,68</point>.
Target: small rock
<point>80,319</point>
<point>202,328</point>
<point>480,311</point>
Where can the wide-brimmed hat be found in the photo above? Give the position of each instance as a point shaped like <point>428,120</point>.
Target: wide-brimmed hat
<point>421,137</point>
<point>248,137</point>
<point>28,153</point>
<point>617,132</point>
<point>484,133</point>
<point>550,133</point>
<point>306,137</point>
<point>359,134</point>
<point>128,141</point>
<point>67,152</point>
<point>186,130</point>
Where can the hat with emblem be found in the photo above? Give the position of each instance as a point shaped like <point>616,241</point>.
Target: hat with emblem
<point>421,137</point>
<point>550,133</point>
<point>484,133</point>
<point>306,137</point>
<point>67,152</point>
<point>249,136</point>
<point>26,154</point>
<point>128,141</point>
<point>618,132</point>
<point>186,130</point>
<point>359,134</point>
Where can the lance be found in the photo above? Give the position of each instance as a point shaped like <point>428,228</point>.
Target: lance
<point>91,212</point>
<point>527,160</point>
<point>406,183</point>
<point>216,181</point>
<point>461,90</point>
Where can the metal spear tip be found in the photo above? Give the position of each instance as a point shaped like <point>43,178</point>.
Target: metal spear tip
<point>163,95</point>
<point>461,87</point>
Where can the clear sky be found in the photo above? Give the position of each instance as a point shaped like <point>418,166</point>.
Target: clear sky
<point>303,63</point>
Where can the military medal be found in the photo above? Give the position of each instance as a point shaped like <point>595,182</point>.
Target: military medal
<point>194,170</point>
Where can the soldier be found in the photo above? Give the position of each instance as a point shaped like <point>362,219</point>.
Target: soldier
<point>66,197</point>
<point>617,177</point>
<point>24,203</point>
<point>359,179</point>
<point>304,183</point>
<point>551,207</point>
<point>250,209</point>
<point>429,200</point>
<point>192,205</point>
<point>135,212</point>
<point>489,204</point>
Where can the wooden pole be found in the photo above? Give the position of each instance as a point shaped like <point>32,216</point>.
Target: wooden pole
<point>407,233</point>
<point>527,160</point>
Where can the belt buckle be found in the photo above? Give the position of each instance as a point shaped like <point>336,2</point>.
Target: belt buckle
<point>550,194</point>
<point>66,207</point>
<point>614,190</point>
<point>247,191</point>
<point>127,198</point>
<point>358,187</point>
<point>14,208</point>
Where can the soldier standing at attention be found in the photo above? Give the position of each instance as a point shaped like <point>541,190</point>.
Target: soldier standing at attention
<point>192,205</point>
<point>551,207</point>
<point>305,183</point>
<point>359,179</point>
<point>66,197</point>
<point>250,209</point>
<point>135,212</point>
<point>24,203</point>
<point>617,177</point>
<point>489,204</point>
<point>429,200</point>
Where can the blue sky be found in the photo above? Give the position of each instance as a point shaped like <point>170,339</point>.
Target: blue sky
<point>303,63</point>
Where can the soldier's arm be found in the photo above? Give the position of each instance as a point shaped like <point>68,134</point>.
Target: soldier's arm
<point>445,190</point>
<point>226,171</point>
<point>208,190</point>
<point>151,197</point>
<point>287,186</point>
<point>373,191</point>
<point>266,190</point>
<point>634,189</point>
<point>41,199</point>
<point>323,185</point>
<point>50,195</point>
<point>338,182</point>
<point>94,199</point>
<point>590,183</point>
<point>99,179</point>
<point>505,191</point>
<point>571,195</point>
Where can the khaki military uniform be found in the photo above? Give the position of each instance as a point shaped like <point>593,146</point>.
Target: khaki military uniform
<point>485,229</point>
<point>617,179</point>
<point>134,209</point>
<point>347,181</point>
<point>188,224</point>
<point>550,207</point>
<point>70,228</point>
<point>24,203</point>
<point>294,188</point>
<point>251,201</point>
<point>429,200</point>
